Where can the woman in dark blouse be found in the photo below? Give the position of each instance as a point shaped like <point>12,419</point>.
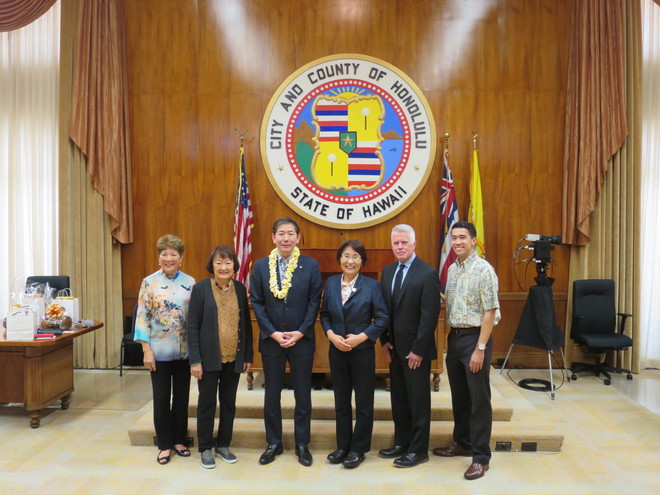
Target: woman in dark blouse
<point>220,349</point>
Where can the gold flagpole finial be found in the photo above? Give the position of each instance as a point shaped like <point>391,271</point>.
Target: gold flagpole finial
<point>474,139</point>
<point>446,140</point>
<point>241,134</point>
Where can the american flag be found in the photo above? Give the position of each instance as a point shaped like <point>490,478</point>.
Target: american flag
<point>243,223</point>
<point>449,214</point>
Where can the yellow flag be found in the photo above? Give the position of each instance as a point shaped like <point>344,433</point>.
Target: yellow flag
<point>476,213</point>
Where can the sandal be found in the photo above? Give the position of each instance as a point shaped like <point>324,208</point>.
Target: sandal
<point>163,460</point>
<point>182,452</point>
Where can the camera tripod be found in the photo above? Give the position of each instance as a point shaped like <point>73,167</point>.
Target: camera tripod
<point>538,328</point>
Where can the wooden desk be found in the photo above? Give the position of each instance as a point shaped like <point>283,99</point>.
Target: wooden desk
<point>37,373</point>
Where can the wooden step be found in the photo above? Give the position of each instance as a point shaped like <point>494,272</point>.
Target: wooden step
<point>527,427</point>
<point>250,404</point>
<point>249,433</point>
<point>381,413</point>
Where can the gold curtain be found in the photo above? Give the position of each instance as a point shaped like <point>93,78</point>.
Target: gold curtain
<point>99,113</point>
<point>614,249</point>
<point>15,14</point>
<point>88,253</point>
<point>595,111</point>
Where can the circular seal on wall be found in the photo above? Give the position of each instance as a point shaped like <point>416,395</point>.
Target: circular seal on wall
<point>348,141</point>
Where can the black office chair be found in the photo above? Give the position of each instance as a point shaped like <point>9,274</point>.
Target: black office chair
<point>57,282</point>
<point>594,326</point>
<point>130,353</point>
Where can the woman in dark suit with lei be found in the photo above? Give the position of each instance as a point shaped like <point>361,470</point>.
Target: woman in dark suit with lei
<point>353,315</point>
<point>220,342</point>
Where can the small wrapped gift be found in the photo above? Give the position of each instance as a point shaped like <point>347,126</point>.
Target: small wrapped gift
<point>55,317</point>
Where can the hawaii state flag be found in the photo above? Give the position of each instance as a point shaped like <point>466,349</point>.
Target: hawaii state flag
<point>449,215</point>
<point>243,223</point>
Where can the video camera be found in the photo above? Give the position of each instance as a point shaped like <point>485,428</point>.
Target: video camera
<point>542,245</point>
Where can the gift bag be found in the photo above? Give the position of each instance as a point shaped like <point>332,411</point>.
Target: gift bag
<point>36,302</point>
<point>22,323</point>
<point>69,303</point>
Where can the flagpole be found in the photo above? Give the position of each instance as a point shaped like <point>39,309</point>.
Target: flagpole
<point>243,220</point>
<point>475,211</point>
<point>449,216</point>
<point>241,134</point>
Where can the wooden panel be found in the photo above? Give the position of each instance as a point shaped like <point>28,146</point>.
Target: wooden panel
<point>48,377</point>
<point>11,371</point>
<point>198,69</point>
<point>321,360</point>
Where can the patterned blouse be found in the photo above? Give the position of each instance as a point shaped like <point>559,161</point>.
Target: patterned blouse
<point>162,314</point>
<point>471,290</point>
<point>229,317</point>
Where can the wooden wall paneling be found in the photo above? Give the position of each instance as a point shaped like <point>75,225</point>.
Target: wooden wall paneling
<point>200,68</point>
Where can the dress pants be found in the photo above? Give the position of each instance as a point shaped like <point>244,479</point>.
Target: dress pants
<point>410,393</point>
<point>224,382</point>
<point>470,395</point>
<point>353,370</point>
<point>301,379</point>
<point>170,384</point>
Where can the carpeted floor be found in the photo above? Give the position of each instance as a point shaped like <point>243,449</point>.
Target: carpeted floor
<point>611,446</point>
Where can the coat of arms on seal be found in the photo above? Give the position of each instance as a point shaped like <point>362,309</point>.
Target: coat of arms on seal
<point>348,141</point>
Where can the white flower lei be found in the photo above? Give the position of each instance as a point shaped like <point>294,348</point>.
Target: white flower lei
<point>288,273</point>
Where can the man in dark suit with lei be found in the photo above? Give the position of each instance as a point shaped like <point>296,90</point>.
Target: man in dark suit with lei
<point>285,294</point>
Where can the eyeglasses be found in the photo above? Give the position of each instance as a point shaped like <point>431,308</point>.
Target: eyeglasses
<point>348,257</point>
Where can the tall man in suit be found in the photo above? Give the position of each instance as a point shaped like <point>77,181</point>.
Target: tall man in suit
<point>412,292</point>
<point>285,294</point>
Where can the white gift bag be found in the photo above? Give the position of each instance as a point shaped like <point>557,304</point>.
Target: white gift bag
<point>21,323</point>
<point>37,303</point>
<point>69,303</point>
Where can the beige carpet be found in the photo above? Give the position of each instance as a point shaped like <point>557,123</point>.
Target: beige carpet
<point>611,446</point>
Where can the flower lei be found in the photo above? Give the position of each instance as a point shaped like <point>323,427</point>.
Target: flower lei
<point>288,273</point>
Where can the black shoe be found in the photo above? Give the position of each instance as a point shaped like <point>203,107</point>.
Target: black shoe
<point>338,456</point>
<point>304,456</point>
<point>353,460</point>
<point>269,454</point>
<point>410,460</point>
<point>391,453</point>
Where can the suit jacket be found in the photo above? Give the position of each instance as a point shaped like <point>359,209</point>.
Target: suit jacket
<point>364,312</point>
<point>298,311</point>
<point>203,338</point>
<point>414,315</point>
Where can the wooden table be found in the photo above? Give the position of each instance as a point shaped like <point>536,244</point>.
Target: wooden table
<point>37,373</point>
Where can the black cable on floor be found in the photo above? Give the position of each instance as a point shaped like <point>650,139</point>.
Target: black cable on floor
<point>538,384</point>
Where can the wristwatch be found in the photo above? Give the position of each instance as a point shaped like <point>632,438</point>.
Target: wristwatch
<point>481,347</point>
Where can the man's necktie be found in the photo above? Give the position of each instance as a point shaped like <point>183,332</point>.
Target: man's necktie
<point>397,282</point>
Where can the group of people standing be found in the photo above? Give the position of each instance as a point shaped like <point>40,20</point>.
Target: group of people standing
<point>214,344</point>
